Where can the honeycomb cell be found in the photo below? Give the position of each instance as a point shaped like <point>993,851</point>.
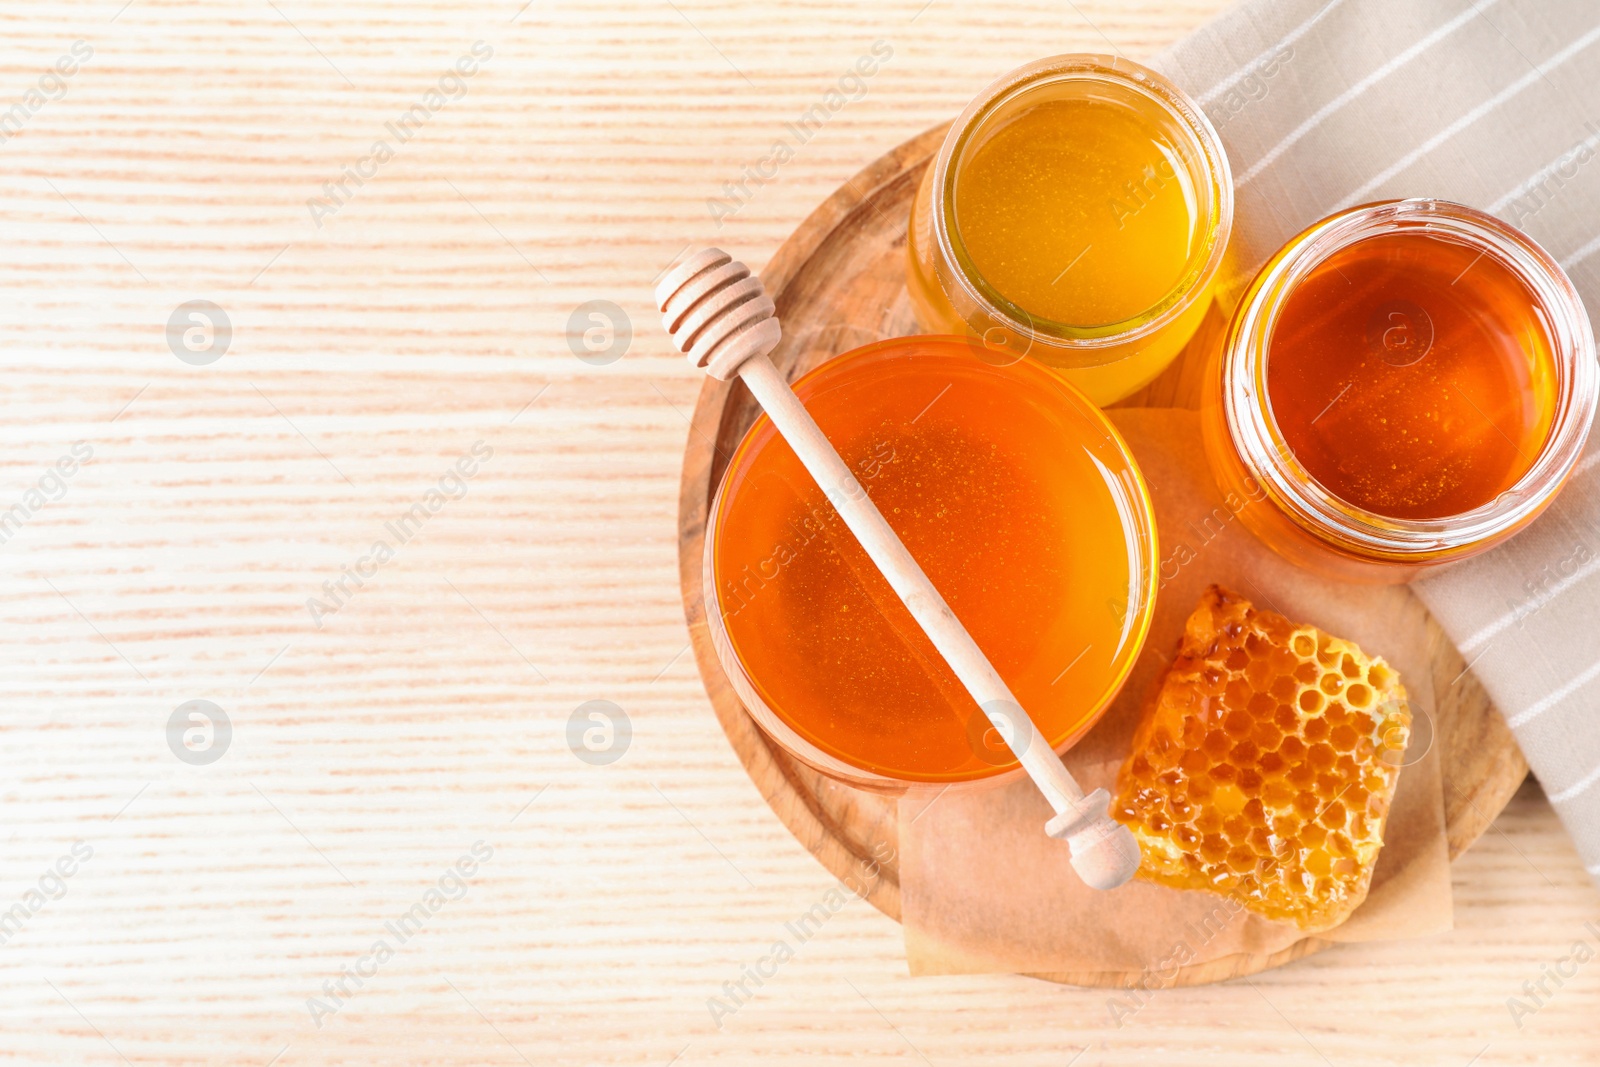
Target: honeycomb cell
<point>1277,795</point>
<point>1266,736</point>
<point>1194,731</point>
<point>1273,791</point>
<point>1258,673</point>
<point>1227,800</point>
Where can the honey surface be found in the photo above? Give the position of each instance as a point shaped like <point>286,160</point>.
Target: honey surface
<point>1265,766</point>
<point>1412,377</point>
<point>985,475</point>
<point>1078,211</point>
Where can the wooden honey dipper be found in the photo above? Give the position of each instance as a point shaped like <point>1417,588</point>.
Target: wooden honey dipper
<point>720,317</point>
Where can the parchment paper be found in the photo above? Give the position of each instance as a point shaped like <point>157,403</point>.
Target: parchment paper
<point>983,890</point>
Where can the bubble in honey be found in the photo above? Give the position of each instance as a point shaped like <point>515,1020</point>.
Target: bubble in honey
<point>1276,793</point>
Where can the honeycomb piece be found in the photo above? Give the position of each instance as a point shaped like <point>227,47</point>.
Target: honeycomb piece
<point>1264,767</point>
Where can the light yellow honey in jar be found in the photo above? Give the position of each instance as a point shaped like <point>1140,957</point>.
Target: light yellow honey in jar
<point>1077,214</point>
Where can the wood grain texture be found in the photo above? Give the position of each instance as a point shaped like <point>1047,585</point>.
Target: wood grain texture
<point>838,283</point>
<point>367,354</point>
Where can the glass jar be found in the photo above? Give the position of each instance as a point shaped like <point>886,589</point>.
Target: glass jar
<point>1037,122</point>
<point>1276,494</point>
<point>1019,500</point>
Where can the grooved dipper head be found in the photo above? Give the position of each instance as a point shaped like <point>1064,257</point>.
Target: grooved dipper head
<point>717,312</point>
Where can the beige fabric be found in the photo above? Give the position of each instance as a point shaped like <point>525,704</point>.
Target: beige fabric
<point>1495,104</point>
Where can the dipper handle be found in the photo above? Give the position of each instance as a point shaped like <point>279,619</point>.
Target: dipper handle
<point>721,318</point>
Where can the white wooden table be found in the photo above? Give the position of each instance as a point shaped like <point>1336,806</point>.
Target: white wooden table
<point>376,336</point>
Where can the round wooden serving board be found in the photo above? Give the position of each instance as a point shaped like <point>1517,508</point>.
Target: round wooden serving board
<point>839,283</point>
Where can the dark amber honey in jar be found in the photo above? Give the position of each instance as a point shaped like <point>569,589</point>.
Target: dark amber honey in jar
<point>1413,376</point>
<point>1405,384</point>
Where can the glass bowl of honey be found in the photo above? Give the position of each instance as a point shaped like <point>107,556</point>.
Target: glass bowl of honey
<point>1017,497</point>
<point>1404,385</point>
<point>1077,212</point>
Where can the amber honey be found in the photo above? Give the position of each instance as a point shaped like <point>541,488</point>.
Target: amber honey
<point>1403,385</point>
<point>1413,376</point>
<point>1077,213</point>
<point>1265,765</point>
<point>1020,503</point>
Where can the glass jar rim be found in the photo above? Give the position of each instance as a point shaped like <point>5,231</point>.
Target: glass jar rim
<point>1140,517</point>
<point>1127,75</point>
<point>1257,439</point>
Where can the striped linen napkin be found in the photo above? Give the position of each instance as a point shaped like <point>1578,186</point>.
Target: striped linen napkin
<point>1492,103</point>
